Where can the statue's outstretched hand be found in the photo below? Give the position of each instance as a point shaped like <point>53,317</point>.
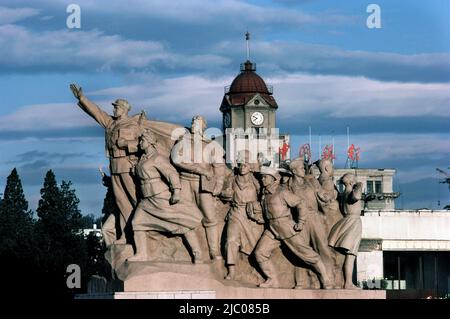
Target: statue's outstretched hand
<point>76,90</point>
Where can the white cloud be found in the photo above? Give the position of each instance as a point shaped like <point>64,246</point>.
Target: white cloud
<point>292,56</point>
<point>44,117</point>
<point>200,12</point>
<point>12,15</point>
<point>404,146</point>
<point>89,51</point>
<point>174,99</point>
<point>177,99</point>
<point>25,50</point>
<point>345,96</point>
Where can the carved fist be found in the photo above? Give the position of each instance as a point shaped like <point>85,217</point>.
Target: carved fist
<point>260,220</point>
<point>76,90</point>
<point>227,194</point>
<point>217,190</point>
<point>323,196</point>
<point>299,226</point>
<point>175,198</point>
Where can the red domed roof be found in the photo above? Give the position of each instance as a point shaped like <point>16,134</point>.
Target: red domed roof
<point>248,82</point>
<point>245,86</point>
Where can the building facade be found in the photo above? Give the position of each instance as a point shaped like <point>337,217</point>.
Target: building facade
<point>408,249</point>
<point>249,119</point>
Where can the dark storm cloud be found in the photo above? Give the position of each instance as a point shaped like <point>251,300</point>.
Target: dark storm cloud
<point>36,156</point>
<point>77,132</point>
<point>34,165</point>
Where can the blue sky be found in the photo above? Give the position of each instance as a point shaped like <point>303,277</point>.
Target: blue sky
<point>329,71</point>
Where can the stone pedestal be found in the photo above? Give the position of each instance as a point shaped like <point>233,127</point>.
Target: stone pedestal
<point>242,293</point>
<point>159,280</point>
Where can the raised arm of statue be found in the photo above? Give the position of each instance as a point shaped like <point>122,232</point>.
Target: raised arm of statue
<point>103,118</point>
<point>357,192</point>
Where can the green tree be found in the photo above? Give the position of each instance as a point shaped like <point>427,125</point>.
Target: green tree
<point>97,264</point>
<point>109,202</point>
<point>59,232</point>
<point>16,225</point>
<point>88,220</point>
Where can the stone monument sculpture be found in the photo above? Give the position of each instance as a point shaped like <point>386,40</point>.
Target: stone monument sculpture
<point>328,196</point>
<point>345,236</point>
<point>160,208</point>
<point>281,228</point>
<point>121,138</point>
<point>202,178</point>
<point>312,224</point>
<point>178,202</point>
<point>244,219</point>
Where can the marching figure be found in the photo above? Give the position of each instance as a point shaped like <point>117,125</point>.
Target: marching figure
<point>202,177</point>
<point>281,228</point>
<point>345,236</point>
<point>244,220</point>
<point>161,210</point>
<point>328,194</point>
<point>309,219</point>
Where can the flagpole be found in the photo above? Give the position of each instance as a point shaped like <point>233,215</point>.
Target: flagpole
<point>247,40</point>
<point>320,146</point>
<point>348,138</point>
<point>334,151</point>
<point>310,137</point>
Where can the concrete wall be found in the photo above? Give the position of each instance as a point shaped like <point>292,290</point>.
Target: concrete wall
<point>407,225</point>
<point>406,230</point>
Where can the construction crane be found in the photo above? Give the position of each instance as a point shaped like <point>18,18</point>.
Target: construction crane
<point>446,179</point>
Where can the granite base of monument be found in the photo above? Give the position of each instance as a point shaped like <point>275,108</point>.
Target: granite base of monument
<point>159,280</point>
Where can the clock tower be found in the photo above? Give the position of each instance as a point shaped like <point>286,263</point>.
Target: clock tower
<point>249,112</point>
<point>248,101</point>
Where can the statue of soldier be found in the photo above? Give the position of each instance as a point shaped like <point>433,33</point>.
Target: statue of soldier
<point>328,194</point>
<point>121,136</point>
<point>202,170</point>
<point>345,236</point>
<point>281,228</point>
<point>160,209</point>
<point>244,219</point>
<point>312,224</point>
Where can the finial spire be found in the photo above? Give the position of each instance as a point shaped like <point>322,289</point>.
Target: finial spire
<point>247,39</point>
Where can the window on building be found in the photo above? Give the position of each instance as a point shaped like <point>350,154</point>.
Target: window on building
<point>374,187</point>
<point>369,188</point>
<point>418,273</point>
<point>378,187</point>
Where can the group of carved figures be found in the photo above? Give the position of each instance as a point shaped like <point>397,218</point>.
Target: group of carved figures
<point>268,207</point>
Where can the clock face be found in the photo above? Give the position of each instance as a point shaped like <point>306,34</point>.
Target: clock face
<point>257,118</point>
<point>227,120</point>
